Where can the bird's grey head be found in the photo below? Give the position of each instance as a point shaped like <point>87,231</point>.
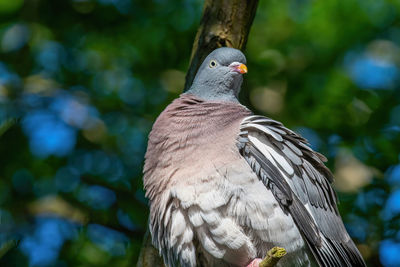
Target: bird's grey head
<point>220,75</point>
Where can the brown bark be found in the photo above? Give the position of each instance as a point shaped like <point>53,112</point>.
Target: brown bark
<point>224,23</point>
<point>149,256</point>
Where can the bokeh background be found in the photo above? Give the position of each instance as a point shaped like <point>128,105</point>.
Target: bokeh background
<point>82,81</point>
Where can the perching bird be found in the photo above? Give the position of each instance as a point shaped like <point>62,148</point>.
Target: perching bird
<point>225,186</point>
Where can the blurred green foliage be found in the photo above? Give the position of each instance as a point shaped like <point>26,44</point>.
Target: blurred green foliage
<point>86,79</point>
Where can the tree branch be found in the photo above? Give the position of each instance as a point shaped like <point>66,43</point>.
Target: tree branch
<point>273,256</point>
<point>149,256</point>
<point>224,23</point>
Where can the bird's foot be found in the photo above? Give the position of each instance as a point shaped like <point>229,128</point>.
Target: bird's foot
<point>254,263</point>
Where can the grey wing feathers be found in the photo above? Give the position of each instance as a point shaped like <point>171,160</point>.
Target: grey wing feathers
<point>300,182</point>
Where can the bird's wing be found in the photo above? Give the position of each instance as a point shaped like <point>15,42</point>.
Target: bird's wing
<point>300,183</point>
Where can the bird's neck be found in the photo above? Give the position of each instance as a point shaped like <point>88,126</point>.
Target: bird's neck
<point>226,91</point>
<point>216,93</point>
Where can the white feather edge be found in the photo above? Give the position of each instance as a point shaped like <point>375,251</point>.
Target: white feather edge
<point>272,155</point>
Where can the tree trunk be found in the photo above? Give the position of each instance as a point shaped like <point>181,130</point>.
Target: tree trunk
<point>149,256</point>
<point>224,23</point>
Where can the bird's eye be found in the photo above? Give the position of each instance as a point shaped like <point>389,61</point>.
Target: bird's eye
<point>213,63</point>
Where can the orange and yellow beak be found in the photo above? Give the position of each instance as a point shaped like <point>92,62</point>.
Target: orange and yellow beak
<point>239,67</point>
<point>242,68</point>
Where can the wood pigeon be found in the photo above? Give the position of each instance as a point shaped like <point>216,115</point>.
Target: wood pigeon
<point>225,186</point>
